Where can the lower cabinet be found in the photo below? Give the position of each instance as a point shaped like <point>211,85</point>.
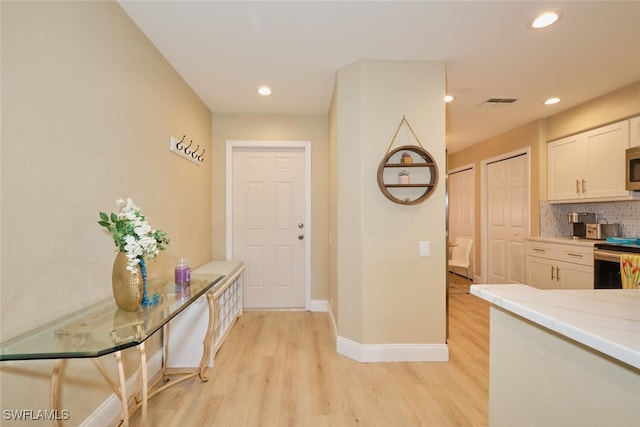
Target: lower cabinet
<point>558,266</point>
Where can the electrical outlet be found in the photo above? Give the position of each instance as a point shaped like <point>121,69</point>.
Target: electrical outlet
<point>424,248</point>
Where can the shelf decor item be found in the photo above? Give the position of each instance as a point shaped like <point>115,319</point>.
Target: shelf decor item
<point>414,157</point>
<point>136,242</point>
<point>403,177</point>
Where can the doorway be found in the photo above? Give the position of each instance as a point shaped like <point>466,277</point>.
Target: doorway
<point>268,221</point>
<point>505,217</point>
<point>462,201</point>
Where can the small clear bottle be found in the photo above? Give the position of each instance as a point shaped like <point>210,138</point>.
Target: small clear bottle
<point>183,272</point>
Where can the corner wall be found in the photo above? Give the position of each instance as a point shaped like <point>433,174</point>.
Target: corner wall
<point>387,293</point>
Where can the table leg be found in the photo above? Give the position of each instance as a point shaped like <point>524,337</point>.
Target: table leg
<point>206,353</point>
<point>145,383</point>
<point>123,390</point>
<point>165,345</point>
<point>56,386</point>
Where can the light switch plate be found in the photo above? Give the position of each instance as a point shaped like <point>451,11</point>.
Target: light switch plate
<point>424,248</point>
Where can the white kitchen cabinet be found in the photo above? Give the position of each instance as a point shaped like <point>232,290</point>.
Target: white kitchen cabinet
<point>634,132</point>
<point>558,266</point>
<point>589,165</point>
<point>574,276</point>
<point>566,160</point>
<point>540,273</point>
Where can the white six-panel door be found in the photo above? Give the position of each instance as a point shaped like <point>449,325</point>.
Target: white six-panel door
<point>269,230</point>
<point>507,219</point>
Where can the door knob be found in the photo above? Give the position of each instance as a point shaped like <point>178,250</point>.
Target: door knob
<point>300,236</point>
<point>300,226</point>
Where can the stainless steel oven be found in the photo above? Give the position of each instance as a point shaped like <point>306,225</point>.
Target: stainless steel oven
<point>606,264</point>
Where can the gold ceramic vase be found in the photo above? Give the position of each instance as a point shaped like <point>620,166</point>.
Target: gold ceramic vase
<point>127,286</point>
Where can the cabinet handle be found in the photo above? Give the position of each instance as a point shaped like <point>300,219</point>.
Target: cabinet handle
<point>539,250</point>
<point>584,186</point>
<point>552,277</point>
<point>577,255</point>
<point>578,186</point>
<point>558,274</point>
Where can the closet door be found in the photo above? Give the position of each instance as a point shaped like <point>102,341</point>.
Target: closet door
<point>507,219</point>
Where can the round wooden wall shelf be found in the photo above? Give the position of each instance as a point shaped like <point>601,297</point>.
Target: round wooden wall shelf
<point>407,175</point>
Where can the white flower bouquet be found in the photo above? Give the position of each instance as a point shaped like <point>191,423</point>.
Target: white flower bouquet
<point>132,234</point>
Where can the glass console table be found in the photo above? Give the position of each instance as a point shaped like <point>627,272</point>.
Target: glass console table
<point>103,328</point>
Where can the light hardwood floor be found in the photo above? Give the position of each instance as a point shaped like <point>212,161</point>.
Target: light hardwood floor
<point>280,368</point>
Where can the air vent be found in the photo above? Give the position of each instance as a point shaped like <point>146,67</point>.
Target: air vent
<point>498,102</point>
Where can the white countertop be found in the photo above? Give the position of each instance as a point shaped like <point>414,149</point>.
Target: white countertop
<point>566,241</point>
<point>605,320</point>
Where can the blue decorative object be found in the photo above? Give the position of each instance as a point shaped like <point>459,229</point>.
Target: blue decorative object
<point>145,296</point>
<point>622,240</point>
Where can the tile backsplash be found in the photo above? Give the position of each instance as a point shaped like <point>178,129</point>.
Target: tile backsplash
<point>553,217</point>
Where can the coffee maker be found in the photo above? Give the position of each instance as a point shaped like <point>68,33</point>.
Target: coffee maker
<point>579,221</point>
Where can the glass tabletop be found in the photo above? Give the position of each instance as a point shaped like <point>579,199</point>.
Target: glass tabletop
<point>103,328</point>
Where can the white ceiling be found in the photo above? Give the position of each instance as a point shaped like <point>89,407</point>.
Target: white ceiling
<point>225,50</point>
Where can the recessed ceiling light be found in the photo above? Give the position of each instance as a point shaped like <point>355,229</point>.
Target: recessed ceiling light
<point>264,90</point>
<point>551,101</point>
<point>544,20</point>
<point>448,98</point>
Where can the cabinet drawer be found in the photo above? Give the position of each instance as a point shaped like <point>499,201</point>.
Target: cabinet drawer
<point>542,250</point>
<point>576,255</point>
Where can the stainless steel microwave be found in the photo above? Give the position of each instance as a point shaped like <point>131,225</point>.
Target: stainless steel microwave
<point>633,169</point>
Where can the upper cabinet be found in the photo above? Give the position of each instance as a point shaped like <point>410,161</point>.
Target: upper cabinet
<point>634,132</point>
<point>566,166</point>
<point>589,165</point>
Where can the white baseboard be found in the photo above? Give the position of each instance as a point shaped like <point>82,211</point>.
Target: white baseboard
<point>388,352</point>
<point>109,412</point>
<point>392,352</point>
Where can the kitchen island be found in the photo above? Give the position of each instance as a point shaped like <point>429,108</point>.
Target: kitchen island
<point>563,357</point>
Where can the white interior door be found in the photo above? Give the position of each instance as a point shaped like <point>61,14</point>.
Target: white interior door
<point>268,224</point>
<point>507,219</point>
<point>462,208</point>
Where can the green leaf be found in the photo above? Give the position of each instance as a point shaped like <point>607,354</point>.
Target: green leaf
<point>104,224</point>
<point>114,217</point>
<point>104,216</point>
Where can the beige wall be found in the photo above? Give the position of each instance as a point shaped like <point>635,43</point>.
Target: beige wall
<point>614,106</point>
<point>88,106</point>
<point>386,292</point>
<point>276,127</point>
<point>611,107</point>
